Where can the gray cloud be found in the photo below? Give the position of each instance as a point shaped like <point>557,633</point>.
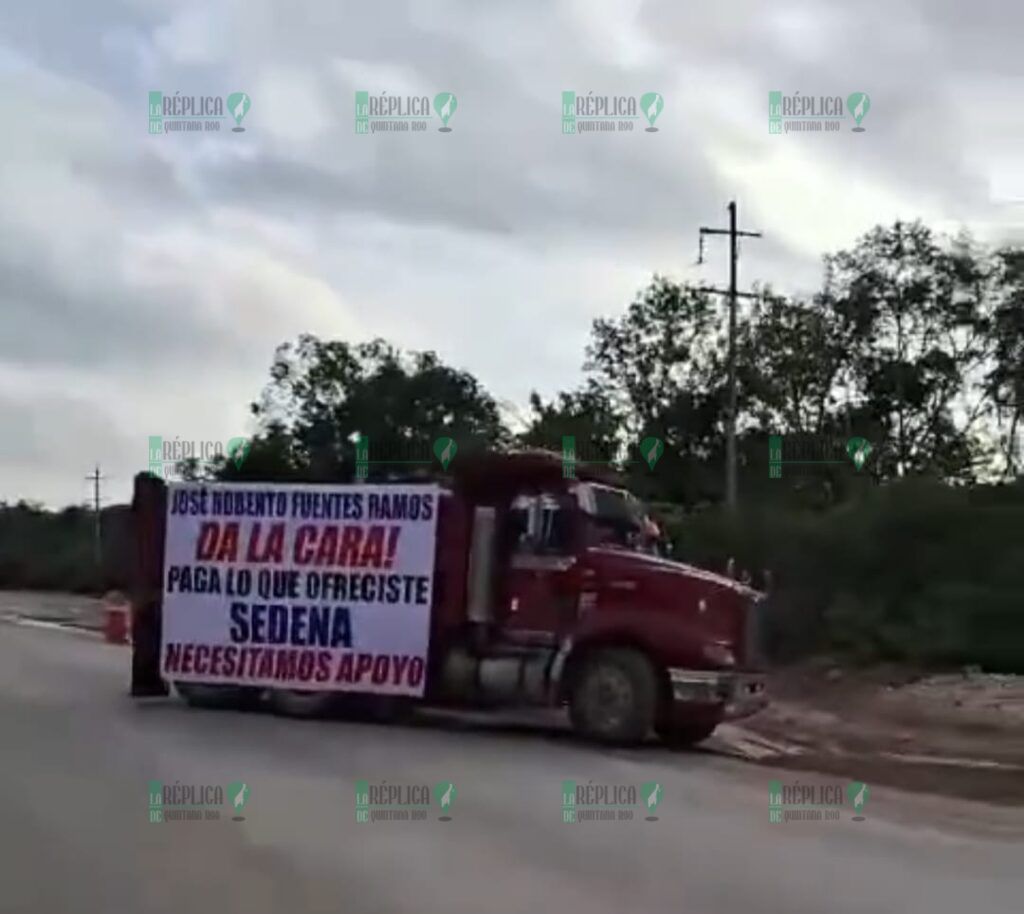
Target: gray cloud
<point>156,274</point>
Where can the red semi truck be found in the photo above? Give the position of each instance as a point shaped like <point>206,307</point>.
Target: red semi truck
<point>547,591</point>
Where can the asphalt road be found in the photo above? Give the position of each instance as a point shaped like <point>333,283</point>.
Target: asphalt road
<point>77,755</point>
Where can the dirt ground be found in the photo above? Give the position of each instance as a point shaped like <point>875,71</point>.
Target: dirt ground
<point>959,734</point>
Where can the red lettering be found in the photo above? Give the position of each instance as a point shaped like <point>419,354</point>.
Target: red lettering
<point>363,664</point>
<point>216,658</point>
<point>389,559</point>
<point>255,656</point>
<point>306,662</point>
<point>286,664</point>
<point>172,659</point>
<point>401,662</point>
<point>344,669</point>
<point>254,538</point>
<point>202,657</point>
<point>323,666</point>
<point>302,553</point>
<point>266,664</point>
<point>415,671</point>
<point>373,548</point>
<point>380,669</point>
<point>328,546</point>
<point>227,551</point>
<point>187,657</point>
<point>350,540</point>
<point>275,545</point>
<point>209,534</point>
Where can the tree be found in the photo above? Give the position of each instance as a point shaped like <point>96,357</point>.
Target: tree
<point>913,314</point>
<point>1004,383</point>
<point>587,414</point>
<point>794,363</point>
<point>663,364</point>
<point>325,394</point>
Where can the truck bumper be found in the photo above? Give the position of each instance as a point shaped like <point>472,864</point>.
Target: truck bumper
<point>733,694</point>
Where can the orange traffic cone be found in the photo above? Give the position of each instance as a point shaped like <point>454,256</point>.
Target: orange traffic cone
<point>116,618</point>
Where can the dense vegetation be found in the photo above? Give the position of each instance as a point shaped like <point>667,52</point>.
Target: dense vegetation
<point>914,343</point>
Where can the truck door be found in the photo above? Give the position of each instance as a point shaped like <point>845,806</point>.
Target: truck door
<point>539,587</point>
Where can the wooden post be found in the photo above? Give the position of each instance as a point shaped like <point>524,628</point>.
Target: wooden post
<point>149,516</point>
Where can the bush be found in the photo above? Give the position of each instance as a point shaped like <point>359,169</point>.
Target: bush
<point>912,571</point>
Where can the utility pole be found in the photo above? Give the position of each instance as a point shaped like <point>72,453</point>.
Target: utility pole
<point>95,478</point>
<point>730,428</point>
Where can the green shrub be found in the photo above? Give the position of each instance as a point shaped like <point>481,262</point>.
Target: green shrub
<point>914,571</point>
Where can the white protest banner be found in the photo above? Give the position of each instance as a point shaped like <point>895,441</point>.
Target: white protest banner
<point>305,587</point>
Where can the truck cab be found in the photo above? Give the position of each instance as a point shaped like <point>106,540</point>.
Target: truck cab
<point>570,600</point>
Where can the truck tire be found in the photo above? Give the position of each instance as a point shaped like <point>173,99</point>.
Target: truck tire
<point>296,703</point>
<point>613,696</point>
<point>683,736</point>
<point>221,697</point>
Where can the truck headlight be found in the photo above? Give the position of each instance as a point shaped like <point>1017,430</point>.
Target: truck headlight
<point>719,654</point>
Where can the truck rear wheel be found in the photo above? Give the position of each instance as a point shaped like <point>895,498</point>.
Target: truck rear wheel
<point>613,697</point>
<point>295,703</point>
<point>200,695</point>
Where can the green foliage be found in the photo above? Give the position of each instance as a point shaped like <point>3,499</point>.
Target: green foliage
<point>55,550</point>
<point>914,571</point>
<point>914,343</point>
<point>588,415</point>
<point>325,394</point>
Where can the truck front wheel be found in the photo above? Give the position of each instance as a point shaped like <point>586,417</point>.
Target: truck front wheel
<point>613,696</point>
<point>683,736</point>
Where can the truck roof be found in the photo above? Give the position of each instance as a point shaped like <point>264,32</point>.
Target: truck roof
<point>534,466</point>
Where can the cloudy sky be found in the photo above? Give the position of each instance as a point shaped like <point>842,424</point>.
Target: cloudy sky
<point>146,279</point>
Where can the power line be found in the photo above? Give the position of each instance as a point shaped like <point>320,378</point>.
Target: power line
<point>730,433</point>
<point>95,478</point>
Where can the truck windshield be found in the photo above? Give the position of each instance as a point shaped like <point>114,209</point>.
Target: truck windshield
<point>617,517</point>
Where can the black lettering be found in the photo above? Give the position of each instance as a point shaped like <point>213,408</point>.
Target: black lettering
<point>239,622</point>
